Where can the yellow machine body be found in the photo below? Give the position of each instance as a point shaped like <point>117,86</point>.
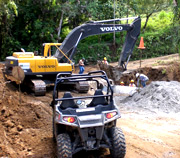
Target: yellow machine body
<point>40,65</point>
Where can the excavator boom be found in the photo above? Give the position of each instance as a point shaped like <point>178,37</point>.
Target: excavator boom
<point>98,27</point>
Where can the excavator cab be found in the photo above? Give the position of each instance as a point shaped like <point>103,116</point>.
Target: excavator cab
<point>49,49</point>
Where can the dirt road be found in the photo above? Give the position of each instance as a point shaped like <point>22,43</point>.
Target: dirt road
<point>151,136</point>
<point>26,128</point>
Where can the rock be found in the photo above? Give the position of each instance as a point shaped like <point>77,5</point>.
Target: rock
<point>14,131</point>
<point>19,128</point>
<point>3,110</point>
<point>9,123</point>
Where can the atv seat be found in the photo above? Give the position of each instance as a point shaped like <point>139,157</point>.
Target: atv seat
<point>68,103</point>
<point>98,100</point>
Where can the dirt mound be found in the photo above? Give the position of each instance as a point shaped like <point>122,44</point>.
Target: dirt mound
<point>159,96</point>
<point>25,127</point>
<point>167,72</point>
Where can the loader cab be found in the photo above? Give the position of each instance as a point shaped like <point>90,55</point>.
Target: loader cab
<point>49,49</point>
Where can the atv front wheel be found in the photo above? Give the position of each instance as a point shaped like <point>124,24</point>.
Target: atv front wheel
<point>118,149</point>
<point>64,146</point>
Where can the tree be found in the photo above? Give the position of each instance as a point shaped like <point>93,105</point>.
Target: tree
<point>176,23</point>
<point>36,23</point>
<point>8,12</point>
<point>148,7</point>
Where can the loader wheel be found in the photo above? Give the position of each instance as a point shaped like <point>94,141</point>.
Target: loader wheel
<point>118,149</point>
<point>64,146</point>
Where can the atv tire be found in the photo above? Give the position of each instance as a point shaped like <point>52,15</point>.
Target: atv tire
<point>118,149</point>
<point>64,146</point>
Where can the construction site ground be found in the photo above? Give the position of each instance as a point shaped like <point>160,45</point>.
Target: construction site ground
<point>150,120</point>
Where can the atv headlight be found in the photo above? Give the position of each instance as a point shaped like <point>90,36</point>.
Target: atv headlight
<point>111,114</point>
<point>69,119</point>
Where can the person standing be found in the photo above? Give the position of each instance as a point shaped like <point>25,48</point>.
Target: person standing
<point>81,66</point>
<point>142,79</point>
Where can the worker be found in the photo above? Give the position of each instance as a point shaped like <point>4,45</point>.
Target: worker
<point>142,79</point>
<point>122,83</point>
<point>132,84</point>
<point>105,61</point>
<point>81,66</point>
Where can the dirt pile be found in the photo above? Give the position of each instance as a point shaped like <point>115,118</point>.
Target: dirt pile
<point>165,72</point>
<point>25,128</point>
<point>159,96</point>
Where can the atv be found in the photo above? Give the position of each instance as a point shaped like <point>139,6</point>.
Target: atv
<point>86,122</point>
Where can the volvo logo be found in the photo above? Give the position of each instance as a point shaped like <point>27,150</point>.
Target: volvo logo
<point>46,66</point>
<point>118,28</point>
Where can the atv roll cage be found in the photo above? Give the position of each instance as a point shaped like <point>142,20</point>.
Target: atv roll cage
<point>91,76</point>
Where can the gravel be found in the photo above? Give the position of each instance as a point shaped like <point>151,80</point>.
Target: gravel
<point>157,97</point>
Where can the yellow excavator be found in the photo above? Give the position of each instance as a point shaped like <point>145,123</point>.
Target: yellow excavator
<point>41,70</point>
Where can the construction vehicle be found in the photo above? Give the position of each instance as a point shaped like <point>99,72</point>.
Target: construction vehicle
<point>86,122</point>
<point>40,71</point>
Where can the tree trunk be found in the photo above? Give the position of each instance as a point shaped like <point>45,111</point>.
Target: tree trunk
<point>114,35</point>
<point>175,3</point>
<point>60,25</point>
<point>147,18</point>
<point>3,25</point>
<point>127,10</point>
<point>0,42</point>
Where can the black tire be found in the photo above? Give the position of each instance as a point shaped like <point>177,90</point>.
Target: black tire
<point>64,146</point>
<point>118,143</point>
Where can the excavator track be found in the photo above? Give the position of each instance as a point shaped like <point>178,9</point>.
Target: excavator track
<point>82,87</point>
<point>38,87</point>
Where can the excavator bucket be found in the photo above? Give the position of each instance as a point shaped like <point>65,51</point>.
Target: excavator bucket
<point>131,38</point>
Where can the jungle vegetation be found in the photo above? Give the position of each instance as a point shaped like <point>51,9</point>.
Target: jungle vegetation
<point>30,23</point>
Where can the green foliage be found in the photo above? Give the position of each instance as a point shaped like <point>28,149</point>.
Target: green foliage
<point>92,52</point>
<point>30,23</point>
<point>148,7</point>
<point>158,37</point>
<point>160,21</point>
<point>163,71</point>
<point>8,12</point>
<point>176,24</point>
<point>96,10</point>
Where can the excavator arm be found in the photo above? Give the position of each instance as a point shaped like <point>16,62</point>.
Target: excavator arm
<point>99,27</point>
